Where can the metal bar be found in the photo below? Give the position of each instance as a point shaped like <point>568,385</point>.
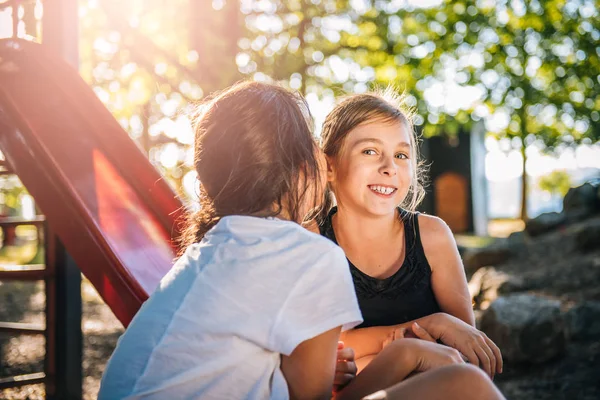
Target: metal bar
<point>50,291</point>
<point>67,333</point>
<point>8,3</point>
<point>21,380</point>
<point>13,3</point>
<point>27,273</point>
<point>6,169</point>
<point>22,328</point>
<point>16,221</point>
<point>15,19</point>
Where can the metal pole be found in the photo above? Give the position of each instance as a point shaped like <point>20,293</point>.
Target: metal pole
<point>64,338</point>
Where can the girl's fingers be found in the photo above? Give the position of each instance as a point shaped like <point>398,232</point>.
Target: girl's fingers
<point>346,367</point>
<point>398,333</point>
<point>342,379</point>
<point>485,362</point>
<point>346,354</point>
<point>422,333</point>
<point>393,335</point>
<point>340,345</point>
<point>491,356</point>
<point>497,354</point>
<point>471,357</point>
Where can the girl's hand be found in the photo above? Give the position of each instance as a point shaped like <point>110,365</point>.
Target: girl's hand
<point>415,331</point>
<point>345,368</point>
<point>472,343</point>
<point>432,355</point>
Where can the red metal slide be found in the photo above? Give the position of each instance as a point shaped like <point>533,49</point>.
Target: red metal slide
<point>112,210</point>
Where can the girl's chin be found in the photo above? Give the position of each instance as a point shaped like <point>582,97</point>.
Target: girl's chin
<point>381,209</point>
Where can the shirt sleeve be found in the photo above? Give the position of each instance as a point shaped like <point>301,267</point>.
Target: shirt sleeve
<point>322,298</point>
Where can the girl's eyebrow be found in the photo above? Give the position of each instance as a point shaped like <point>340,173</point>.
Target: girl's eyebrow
<point>378,141</point>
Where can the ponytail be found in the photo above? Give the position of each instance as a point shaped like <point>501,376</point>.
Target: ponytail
<point>199,222</point>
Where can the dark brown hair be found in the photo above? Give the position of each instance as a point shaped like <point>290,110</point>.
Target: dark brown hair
<point>254,154</point>
<point>382,106</point>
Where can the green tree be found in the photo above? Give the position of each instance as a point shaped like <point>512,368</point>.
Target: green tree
<point>557,182</point>
<point>532,64</point>
<point>149,61</point>
<point>299,43</point>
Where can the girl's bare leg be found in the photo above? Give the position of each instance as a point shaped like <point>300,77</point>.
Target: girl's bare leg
<point>445,376</point>
<point>455,382</point>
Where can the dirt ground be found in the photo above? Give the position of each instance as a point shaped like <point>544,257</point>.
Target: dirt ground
<point>24,302</point>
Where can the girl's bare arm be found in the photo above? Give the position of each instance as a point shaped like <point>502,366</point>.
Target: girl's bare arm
<point>448,278</point>
<point>310,369</point>
<point>370,341</point>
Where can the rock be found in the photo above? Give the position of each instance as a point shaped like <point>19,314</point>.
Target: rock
<point>527,328</point>
<point>545,223</point>
<point>492,255</point>
<point>588,238</point>
<point>488,283</point>
<point>581,201</point>
<point>517,242</point>
<point>583,320</point>
<point>517,238</point>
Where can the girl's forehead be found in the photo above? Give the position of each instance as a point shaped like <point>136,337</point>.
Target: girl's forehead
<point>389,132</point>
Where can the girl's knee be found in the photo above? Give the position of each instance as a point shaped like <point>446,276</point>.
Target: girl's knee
<point>468,371</point>
<point>473,378</point>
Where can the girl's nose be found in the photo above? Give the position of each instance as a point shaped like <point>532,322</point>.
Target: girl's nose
<point>388,166</point>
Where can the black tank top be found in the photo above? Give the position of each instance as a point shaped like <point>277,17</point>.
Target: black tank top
<point>407,294</point>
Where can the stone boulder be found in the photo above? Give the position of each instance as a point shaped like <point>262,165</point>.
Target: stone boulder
<point>545,222</point>
<point>583,321</point>
<point>518,243</point>
<point>474,259</point>
<point>588,238</point>
<point>487,284</point>
<point>527,328</point>
<point>582,201</point>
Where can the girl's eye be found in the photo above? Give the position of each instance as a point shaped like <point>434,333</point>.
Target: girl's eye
<point>401,156</point>
<point>369,152</point>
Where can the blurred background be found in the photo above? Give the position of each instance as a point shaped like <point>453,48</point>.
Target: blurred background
<point>507,95</point>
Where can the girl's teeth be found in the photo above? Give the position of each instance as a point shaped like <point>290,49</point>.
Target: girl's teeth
<point>382,190</point>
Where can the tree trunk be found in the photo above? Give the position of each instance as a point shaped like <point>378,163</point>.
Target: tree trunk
<point>524,182</point>
<point>214,34</point>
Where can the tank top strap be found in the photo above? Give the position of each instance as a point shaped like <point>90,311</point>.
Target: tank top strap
<point>413,235</point>
<point>326,227</point>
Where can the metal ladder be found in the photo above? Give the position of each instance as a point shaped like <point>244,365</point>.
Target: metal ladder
<point>62,375</point>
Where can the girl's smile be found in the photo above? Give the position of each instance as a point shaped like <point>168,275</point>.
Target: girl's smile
<point>383,190</point>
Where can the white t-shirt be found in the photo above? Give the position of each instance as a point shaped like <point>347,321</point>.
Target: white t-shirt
<point>215,328</point>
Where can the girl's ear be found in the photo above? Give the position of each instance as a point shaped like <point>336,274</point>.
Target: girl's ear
<point>330,168</point>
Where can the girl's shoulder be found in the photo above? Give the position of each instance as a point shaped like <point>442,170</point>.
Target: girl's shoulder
<point>431,225</point>
<point>436,235</point>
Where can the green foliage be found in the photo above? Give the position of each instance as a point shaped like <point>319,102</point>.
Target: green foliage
<point>556,182</point>
<point>298,43</point>
<point>11,192</point>
<point>535,62</point>
<point>149,61</point>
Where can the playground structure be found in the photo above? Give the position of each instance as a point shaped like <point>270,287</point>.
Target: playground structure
<point>107,211</point>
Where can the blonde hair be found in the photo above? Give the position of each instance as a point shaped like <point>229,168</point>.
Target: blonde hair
<point>383,105</point>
